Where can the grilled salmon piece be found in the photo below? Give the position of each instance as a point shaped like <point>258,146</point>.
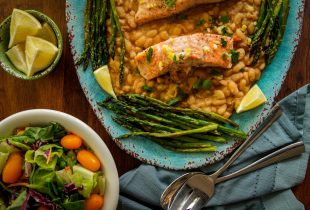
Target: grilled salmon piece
<point>149,10</point>
<point>183,52</point>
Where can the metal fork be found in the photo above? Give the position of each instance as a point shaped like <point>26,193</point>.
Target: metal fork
<point>170,192</point>
<point>191,197</point>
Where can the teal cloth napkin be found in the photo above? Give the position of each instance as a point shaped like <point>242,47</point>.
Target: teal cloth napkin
<point>267,188</point>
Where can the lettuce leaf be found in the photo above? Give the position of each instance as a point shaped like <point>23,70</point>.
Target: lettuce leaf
<point>44,181</point>
<point>20,138</point>
<point>81,177</point>
<point>6,148</point>
<point>40,177</point>
<point>46,156</point>
<point>74,205</point>
<point>18,202</point>
<point>52,131</point>
<point>19,145</point>
<point>68,159</point>
<point>3,159</point>
<point>2,204</point>
<point>29,156</point>
<point>5,151</point>
<point>101,183</point>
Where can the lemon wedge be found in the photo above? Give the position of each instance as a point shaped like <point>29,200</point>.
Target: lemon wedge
<point>252,99</point>
<point>47,33</point>
<point>22,25</point>
<point>102,75</point>
<point>17,56</point>
<point>39,54</point>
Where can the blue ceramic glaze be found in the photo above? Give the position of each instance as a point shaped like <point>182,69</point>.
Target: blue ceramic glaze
<point>150,152</point>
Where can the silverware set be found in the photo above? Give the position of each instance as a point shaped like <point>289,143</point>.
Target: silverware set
<point>193,190</point>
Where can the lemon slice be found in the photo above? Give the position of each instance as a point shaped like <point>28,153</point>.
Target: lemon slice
<point>39,54</point>
<point>22,25</point>
<point>17,56</point>
<point>47,33</point>
<point>102,75</point>
<point>252,99</point>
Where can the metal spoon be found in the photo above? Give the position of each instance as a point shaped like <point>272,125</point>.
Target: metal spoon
<point>169,192</point>
<point>199,188</point>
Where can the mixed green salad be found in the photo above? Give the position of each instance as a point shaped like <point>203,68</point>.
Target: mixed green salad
<point>49,168</point>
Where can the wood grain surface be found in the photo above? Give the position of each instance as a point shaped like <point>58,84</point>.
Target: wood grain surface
<point>61,90</point>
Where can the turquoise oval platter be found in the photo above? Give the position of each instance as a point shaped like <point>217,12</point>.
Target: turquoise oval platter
<point>150,152</point>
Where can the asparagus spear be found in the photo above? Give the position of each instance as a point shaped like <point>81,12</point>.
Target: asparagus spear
<point>154,119</point>
<point>264,38</point>
<point>113,36</point>
<point>126,124</point>
<point>182,145</point>
<point>96,47</point>
<point>192,122</point>
<point>87,23</point>
<point>162,128</point>
<point>174,124</point>
<point>203,129</point>
<point>93,36</point>
<point>103,45</point>
<point>119,29</point>
<point>96,41</point>
<point>262,14</point>
<point>274,14</point>
<point>191,150</point>
<point>285,12</point>
<point>146,101</point>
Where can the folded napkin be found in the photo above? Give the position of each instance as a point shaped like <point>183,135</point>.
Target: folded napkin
<point>267,188</point>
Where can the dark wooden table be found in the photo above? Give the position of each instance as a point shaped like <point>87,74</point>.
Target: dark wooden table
<point>61,90</point>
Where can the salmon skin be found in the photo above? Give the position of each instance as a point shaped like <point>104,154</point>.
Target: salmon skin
<point>184,52</point>
<point>149,10</point>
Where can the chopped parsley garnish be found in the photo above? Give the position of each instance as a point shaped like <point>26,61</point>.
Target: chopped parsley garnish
<point>179,17</point>
<point>175,58</point>
<point>225,56</point>
<point>215,72</point>
<point>234,56</point>
<point>206,84</point>
<point>170,3</point>
<point>181,56</point>
<point>149,55</point>
<point>225,32</point>
<point>242,70</point>
<point>212,21</point>
<point>197,85</point>
<point>148,88</point>
<point>181,95</point>
<point>200,23</point>
<point>223,42</point>
<point>224,19</point>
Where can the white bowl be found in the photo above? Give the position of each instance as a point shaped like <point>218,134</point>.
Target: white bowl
<point>72,124</point>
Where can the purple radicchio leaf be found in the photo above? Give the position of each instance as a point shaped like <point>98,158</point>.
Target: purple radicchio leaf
<point>13,194</point>
<point>39,198</point>
<point>71,188</point>
<point>36,145</point>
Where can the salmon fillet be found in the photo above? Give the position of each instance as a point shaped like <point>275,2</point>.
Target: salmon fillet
<point>183,52</point>
<point>149,10</point>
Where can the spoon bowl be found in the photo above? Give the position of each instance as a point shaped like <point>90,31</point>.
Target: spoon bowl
<point>170,191</point>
